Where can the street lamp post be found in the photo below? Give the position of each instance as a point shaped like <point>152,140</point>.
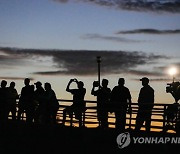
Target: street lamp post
<point>99,71</point>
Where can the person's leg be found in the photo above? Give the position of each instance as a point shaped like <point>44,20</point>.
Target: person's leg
<point>123,119</point>
<point>20,111</point>
<point>99,117</point>
<point>148,121</point>
<point>118,119</point>
<point>64,116</point>
<point>80,119</point>
<point>12,109</point>
<point>139,121</point>
<point>54,113</point>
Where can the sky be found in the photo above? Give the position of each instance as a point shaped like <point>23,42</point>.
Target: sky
<point>56,40</point>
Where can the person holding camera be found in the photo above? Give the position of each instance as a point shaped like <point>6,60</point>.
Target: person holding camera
<point>78,105</point>
<point>103,96</point>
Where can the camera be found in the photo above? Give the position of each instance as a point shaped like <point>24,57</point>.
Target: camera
<point>74,80</point>
<point>169,88</point>
<point>172,87</point>
<point>96,83</point>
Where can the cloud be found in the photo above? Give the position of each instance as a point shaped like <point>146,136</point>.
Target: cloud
<point>150,31</point>
<point>13,78</point>
<point>62,1</point>
<point>171,6</point>
<point>109,38</point>
<point>83,62</point>
<point>157,80</point>
<point>145,73</point>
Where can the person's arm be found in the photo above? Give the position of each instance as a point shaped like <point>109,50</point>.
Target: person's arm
<point>17,96</point>
<point>68,86</point>
<point>93,91</point>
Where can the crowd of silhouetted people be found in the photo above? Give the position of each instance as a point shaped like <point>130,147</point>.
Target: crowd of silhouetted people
<point>41,105</point>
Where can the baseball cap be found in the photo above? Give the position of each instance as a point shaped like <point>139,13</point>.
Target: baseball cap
<point>38,83</point>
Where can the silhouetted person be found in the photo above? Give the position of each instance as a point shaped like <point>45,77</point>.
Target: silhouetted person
<point>120,99</point>
<point>145,103</point>
<point>3,102</point>
<point>12,96</point>
<point>39,94</point>
<point>103,98</point>
<point>52,104</point>
<point>78,105</point>
<point>26,101</point>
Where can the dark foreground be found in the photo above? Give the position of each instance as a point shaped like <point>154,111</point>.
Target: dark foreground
<point>22,138</point>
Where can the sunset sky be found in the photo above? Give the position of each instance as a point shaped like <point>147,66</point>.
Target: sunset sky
<point>56,40</point>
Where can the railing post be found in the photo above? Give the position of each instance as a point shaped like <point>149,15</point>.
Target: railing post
<point>164,118</point>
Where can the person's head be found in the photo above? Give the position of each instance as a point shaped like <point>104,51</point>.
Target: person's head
<point>26,81</point>
<point>145,81</point>
<point>12,84</point>
<point>121,82</point>
<point>47,86</point>
<point>3,83</point>
<point>80,84</point>
<point>105,82</point>
<point>38,84</point>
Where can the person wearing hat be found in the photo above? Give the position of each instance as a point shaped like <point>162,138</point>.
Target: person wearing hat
<point>40,105</point>
<point>145,103</point>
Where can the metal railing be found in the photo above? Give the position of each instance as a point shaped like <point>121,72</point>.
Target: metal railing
<point>158,120</point>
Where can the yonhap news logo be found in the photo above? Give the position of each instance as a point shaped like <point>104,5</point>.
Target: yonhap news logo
<point>124,139</point>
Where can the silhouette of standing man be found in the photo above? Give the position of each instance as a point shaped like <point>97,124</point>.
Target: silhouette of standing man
<point>78,105</point>
<point>52,104</point>
<point>3,102</point>
<point>12,96</point>
<point>26,101</point>
<point>39,94</point>
<point>103,98</point>
<point>145,103</point>
<point>120,99</point>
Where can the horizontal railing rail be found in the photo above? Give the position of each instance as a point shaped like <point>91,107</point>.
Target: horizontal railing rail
<point>158,120</point>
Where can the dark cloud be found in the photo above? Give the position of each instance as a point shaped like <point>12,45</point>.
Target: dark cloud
<point>62,1</point>
<point>13,78</point>
<point>145,73</point>
<point>157,80</point>
<point>83,62</point>
<point>172,6</point>
<point>109,38</point>
<point>150,31</point>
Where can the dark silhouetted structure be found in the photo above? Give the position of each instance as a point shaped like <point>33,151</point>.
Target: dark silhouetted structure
<point>3,102</point>
<point>26,101</point>
<point>39,95</point>
<point>103,98</point>
<point>52,104</point>
<point>120,99</point>
<point>78,106</point>
<point>145,103</point>
<point>12,96</point>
